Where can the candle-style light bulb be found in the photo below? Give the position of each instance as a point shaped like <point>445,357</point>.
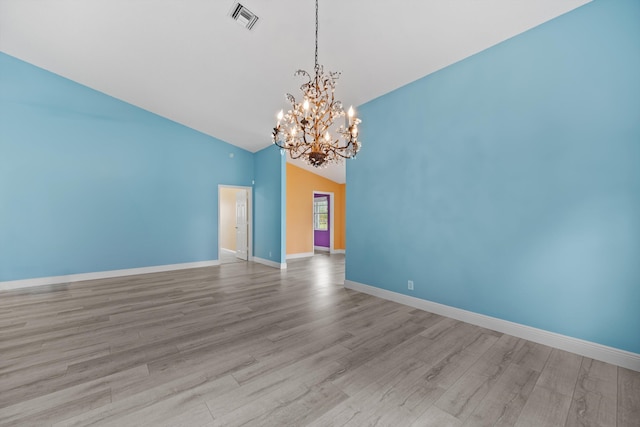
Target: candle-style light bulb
<point>305,107</point>
<point>327,137</point>
<point>280,116</point>
<point>350,116</point>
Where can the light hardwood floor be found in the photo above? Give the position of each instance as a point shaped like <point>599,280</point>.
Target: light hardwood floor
<point>245,344</point>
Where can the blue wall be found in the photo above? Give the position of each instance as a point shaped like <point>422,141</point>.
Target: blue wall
<point>89,183</point>
<point>508,184</point>
<point>269,206</point>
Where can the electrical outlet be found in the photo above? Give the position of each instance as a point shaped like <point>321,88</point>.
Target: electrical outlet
<point>410,285</point>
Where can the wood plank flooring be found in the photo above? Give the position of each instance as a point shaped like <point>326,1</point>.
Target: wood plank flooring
<point>247,345</point>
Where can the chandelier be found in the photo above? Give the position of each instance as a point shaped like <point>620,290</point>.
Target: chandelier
<point>305,130</point>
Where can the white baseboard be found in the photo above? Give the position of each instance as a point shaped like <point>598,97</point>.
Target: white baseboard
<point>227,251</point>
<point>55,280</point>
<point>300,255</point>
<point>310,254</point>
<point>321,248</point>
<point>589,349</point>
<point>281,266</point>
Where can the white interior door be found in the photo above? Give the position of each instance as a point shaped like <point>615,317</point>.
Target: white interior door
<point>241,225</point>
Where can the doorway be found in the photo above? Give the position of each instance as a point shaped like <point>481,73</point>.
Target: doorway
<point>234,224</point>
<point>323,222</point>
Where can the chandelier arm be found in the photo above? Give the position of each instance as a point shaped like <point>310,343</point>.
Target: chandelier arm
<point>335,146</point>
<point>351,141</point>
<point>305,148</point>
<point>297,156</point>
<point>339,147</point>
<point>338,152</point>
<point>274,135</point>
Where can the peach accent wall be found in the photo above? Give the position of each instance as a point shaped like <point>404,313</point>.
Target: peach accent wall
<point>300,187</point>
<point>228,218</point>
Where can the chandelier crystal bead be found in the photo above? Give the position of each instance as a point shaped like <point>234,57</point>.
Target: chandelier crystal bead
<point>305,129</point>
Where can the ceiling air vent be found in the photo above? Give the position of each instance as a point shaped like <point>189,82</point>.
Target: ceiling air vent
<point>243,16</point>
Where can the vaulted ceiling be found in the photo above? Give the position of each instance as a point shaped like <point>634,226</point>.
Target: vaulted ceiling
<point>189,61</point>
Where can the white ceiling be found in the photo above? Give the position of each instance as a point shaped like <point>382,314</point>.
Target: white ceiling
<point>187,60</point>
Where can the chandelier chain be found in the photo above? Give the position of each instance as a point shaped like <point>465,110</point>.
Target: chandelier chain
<point>316,58</point>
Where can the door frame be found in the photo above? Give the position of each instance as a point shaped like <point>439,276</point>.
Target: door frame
<point>249,218</point>
<point>331,225</point>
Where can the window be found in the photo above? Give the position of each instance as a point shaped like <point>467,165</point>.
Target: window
<point>321,213</point>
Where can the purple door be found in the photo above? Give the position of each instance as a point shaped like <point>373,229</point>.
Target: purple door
<point>321,221</point>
